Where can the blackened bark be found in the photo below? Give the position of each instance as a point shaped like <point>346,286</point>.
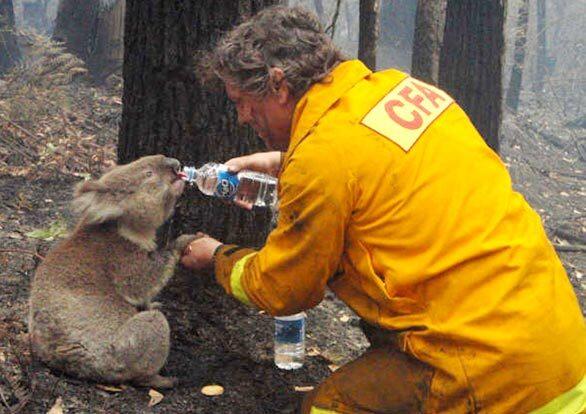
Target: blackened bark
<point>165,110</point>
<point>427,40</point>
<point>9,51</point>
<point>106,43</point>
<point>516,81</point>
<point>348,20</point>
<point>93,30</point>
<point>541,71</point>
<point>319,10</point>
<point>33,14</point>
<point>397,23</point>
<point>471,61</point>
<point>75,24</point>
<point>368,32</point>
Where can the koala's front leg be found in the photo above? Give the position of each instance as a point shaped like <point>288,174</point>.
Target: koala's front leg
<point>152,272</point>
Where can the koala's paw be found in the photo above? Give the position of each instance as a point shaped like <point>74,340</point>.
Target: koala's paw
<point>183,241</point>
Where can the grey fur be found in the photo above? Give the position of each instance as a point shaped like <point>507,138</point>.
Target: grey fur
<point>86,298</point>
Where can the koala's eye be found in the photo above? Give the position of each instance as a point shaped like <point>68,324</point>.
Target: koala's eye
<point>149,173</point>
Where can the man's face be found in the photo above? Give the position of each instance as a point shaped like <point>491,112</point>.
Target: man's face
<point>270,116</point>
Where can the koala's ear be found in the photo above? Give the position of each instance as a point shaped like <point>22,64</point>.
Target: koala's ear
<point>93,200</point>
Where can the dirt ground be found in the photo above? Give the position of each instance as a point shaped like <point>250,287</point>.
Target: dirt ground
<point>215,340</point>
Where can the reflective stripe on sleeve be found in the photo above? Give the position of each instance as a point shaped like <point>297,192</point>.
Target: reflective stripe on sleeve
<point>236,280</point>
<point>570,402</point>
<point>316,410</point>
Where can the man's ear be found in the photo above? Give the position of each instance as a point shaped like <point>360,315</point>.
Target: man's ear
<point>279,85</point>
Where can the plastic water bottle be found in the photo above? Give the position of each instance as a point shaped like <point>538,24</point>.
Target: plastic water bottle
<point>290,341</point>
<point>251,187</point>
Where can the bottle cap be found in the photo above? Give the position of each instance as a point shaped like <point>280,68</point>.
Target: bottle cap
<point>188,174</point>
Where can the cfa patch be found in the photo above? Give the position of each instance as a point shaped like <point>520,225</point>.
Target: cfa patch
<point>406,111</point>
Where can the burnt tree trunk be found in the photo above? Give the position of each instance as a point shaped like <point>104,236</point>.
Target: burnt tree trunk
<point>427,40</point>
<point>319,10</point>
<point>397,20</point>
<point>75,24</point>
<point>471,62</point>
<point>368,32</point>
<point>93,30</point>
<point>541,70</point>
<point>106,44</point>
<point>165,110</point>
<point>348,15</point>
<point>516,81</point>
<point>9,51</point>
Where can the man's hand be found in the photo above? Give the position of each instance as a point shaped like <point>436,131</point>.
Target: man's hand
<point>199,254</point>
<point>265,162</point>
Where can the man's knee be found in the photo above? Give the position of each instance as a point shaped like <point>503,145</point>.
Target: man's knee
<point>382,380</point>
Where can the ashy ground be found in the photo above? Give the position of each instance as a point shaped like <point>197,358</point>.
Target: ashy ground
<point>54,133</point>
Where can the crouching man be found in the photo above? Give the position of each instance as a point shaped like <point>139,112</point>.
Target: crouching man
<point>389,196</point>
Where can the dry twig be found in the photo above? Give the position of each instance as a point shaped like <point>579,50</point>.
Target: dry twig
<point>38,256</point>
<point>569,247</point>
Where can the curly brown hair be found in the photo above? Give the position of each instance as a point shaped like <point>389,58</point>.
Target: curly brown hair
<point>289,38</point>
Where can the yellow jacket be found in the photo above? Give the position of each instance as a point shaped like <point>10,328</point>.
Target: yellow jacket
<point>390,197</point>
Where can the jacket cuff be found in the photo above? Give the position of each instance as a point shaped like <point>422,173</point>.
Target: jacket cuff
<point>225,257</point>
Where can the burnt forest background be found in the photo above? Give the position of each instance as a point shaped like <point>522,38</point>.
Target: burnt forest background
<point>87,84</point>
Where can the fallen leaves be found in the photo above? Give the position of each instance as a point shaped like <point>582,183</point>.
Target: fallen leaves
<point>57,407</point>
<point>333,367</point>
<point>57,229</point>
<point>304,388</point>
<point>313,351</point>
<point>212,390</point>
<point>49,122</point>
<point>110,388</point>
<point>156,397</point>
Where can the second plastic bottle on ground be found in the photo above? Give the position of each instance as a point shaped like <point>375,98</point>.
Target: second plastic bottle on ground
<point>290,341</point>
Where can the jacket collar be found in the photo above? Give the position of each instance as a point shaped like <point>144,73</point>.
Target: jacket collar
<point>321,96</point>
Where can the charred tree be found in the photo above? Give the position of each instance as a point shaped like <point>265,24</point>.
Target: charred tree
<point>93,30</point>
<point>106,44</point>
<point>34,14</point>
<point>368,32</point>
<point>165,110</point>
<point>74,25</point>
<point>427,40</point>
<point>397,20</point>
<point>331,27</point>
<point>9,51</point>
<point>471,61</point>
<point>319,10</point>
<point>348,15</point>
<point>541,70</point>
<point>516,81</point>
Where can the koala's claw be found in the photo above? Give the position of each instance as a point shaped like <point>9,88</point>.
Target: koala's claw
<point>183,241</point>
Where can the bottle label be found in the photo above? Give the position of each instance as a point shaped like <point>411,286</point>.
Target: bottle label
<point>289,332</point>
<point>227,185</point>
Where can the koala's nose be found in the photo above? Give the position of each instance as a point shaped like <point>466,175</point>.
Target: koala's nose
<point>172,163</point>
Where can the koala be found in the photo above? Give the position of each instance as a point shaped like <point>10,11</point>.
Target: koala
<point>91,311</point>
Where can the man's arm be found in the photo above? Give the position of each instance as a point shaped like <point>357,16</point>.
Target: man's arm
<point>290,273</point>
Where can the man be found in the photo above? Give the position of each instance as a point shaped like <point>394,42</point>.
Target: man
<point>389,196</point>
